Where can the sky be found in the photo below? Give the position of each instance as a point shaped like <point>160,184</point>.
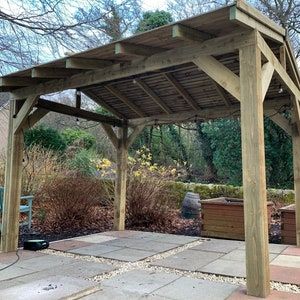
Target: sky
<point>154,4</point>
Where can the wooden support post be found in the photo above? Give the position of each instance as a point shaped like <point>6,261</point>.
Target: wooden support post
<point>254,175</point>
<point>296,163</point>
<point>121,178</point>
<point>13,178</point>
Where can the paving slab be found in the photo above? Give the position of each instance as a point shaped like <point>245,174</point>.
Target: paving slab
<point>10,257</point>
<point>285,274</point>
<point>121,234</point>
<point>291,250</point>
<point>225,267</point>
<point>68,245</point>
<point>140,281</point>
<point>224,246</point>
<point>142,244</point>
<point>95,250</point>
<point>95,238</point>
<point>292,261</point>
<point>44,262</point>
<point>175,239</point>
<point>189,260</point>
<point>195,289</point>
<point>52,288</point>
<point>240,255</point>
<point>128,254</point>
<point>241,294</point>
<point>14,272</point>
<point>273,248</point>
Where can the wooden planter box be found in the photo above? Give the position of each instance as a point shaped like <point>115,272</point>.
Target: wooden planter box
<point>288,225</point>
<point>224,218</point>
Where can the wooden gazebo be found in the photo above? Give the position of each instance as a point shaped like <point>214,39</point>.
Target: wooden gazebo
<point>229,62</point>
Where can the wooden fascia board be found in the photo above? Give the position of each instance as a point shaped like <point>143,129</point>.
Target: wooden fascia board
<point>170,58</point>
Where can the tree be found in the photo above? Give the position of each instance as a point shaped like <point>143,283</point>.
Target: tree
<point>154,19</point>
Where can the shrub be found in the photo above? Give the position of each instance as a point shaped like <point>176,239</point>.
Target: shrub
<point>46,137</point>
<point>83,162</point>
<point>81,137</point>
<point>148,202</point>
<point>68,203</point>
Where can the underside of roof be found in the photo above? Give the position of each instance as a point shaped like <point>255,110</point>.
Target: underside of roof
<point>162,90</point>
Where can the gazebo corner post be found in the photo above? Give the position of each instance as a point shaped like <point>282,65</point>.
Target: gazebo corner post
<point>254,174</point>
<point>121,179</point>
<point>296,166</point>
<point>13,180</point>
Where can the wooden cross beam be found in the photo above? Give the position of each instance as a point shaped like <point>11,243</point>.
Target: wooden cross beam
<point>79,113</point>
<point>87,63</point>
<point>123,48</point>
<point>52,72</point>
<point>186,33</point>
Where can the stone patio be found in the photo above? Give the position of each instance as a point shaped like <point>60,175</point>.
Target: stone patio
<point>138,265</point>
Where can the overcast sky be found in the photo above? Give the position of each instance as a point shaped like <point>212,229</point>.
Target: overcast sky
<point>154,4</point>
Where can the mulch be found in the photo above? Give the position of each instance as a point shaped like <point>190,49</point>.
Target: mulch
<point>174,224</point>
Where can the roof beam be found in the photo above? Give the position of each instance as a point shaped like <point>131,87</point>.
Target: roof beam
<point>87,63</point>
<point>153,95</point>
<point>221,93</point>
<point>125,100</point>
<point>166,59</point>
<point>203,114</point>
<point>247,21</point>
<point>75,112</point>
<point>52,72</point>
<point>17,81</point>
<point>220,74</point>
<point>124,48</point>
<point>189,34</point>
<point>179,88</point>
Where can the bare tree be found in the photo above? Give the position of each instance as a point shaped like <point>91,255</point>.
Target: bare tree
<point>32,31</point>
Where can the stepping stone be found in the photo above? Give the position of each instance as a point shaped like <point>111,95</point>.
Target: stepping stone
<point>225,267</point>
<point>128,254</point>
<point>68,245</point>
<point>51,288</point>
<point>188,260</point>
<point>140,281</point>
<point>95,250</point>
<point>223,246</point>
<point>292,261</point>
<point>195,289</point>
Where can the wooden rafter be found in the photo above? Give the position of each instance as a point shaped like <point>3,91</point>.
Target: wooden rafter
<point>158,61</point>
<point>87,63</point>
<point>79,113</point>
<point>186,33</point>
<point>98,99</point>
<point>125,100</point>
<point>221,93</point>
<point>17,81</point>
<point>123,48</point>
<point>179,88</point>
<point>153,95</point>
<point>220,74</point>
<point>52,72</point>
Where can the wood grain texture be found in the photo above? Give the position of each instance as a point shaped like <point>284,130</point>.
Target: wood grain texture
<point>254,174</point>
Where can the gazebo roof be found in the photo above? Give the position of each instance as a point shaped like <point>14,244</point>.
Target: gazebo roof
<point>137,77</point>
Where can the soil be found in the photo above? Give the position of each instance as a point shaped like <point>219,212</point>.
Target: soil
<point>175,224</point>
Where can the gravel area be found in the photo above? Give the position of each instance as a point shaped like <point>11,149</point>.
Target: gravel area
<point>145,264</point>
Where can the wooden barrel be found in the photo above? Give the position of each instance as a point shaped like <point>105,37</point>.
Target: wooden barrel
<point>191,206</point>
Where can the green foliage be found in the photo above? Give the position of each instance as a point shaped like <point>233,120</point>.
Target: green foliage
<point>46,137</point>
<point>83,162</point>
<point>81,137</point>
<point>154,19</point>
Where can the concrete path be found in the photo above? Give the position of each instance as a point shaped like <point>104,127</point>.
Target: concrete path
<point>138,265</point>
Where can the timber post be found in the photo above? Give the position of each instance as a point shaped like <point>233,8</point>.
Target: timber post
<point>254,175</point>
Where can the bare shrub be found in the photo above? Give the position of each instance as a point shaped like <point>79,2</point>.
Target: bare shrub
<point>68,203</point>
<point>147,199</point>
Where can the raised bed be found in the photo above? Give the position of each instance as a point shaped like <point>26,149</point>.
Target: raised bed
<point>224,218</point>
<point>288,225</point>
